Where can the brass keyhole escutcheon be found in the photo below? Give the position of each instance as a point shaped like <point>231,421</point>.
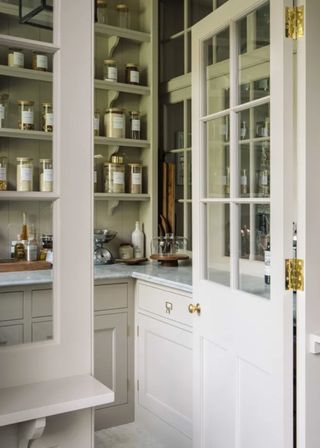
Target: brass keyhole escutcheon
<point>194,308</point>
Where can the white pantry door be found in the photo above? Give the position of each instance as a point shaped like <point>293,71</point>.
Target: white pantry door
<point>243,204</point>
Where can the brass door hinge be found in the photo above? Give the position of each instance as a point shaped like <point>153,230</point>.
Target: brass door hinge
<point>294,22</point>
<point>294,274</point>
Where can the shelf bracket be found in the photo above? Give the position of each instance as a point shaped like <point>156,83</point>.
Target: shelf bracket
<point>113,96</point>
<point>112,206</point>
<point>30,430</point>
<point>112,44</point>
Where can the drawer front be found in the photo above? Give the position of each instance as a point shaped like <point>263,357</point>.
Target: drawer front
<point>42,331</point>
<point>110,297</point>
<point>11,335</point>
<point>11,305</point>
<point>165,303</point>
<point>41,302</point>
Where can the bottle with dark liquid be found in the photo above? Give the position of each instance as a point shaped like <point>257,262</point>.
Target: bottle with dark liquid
<point>267,265</point>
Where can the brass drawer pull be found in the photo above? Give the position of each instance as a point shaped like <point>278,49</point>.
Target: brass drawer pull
<point>169,307</point>
<point>194,308</point>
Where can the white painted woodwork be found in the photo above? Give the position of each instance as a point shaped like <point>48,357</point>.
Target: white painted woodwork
<point>109,297</point>
<point>41,331</point>
<point>11,305</point>
<point>109,30</point>
<point>41,303</point>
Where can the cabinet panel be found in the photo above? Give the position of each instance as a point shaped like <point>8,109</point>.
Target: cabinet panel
<point>42,331</point>
<point>11,305</point>
<point>108,297</point>
<point>41,302</point>
<point>11,335</point>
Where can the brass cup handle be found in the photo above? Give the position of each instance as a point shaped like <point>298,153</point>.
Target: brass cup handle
<point>194,308</point>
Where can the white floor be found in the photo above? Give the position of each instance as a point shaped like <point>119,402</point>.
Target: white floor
<point>125,436</point>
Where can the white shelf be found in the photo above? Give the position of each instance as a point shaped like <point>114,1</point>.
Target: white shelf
<point>25,73</point>
<point>27,135</point>
<point>27,44</point>
<point>33,401</point>
<point>133,35</point>
<point>121,197</point>
<point>27,196</point>
<point>100,84</point>
<point>128,142</point>
<point>254,140</point>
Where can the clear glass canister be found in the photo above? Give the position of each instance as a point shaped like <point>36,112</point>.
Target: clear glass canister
<point>15,58</point>
<point>39,61</point>
<point>4,99</point>
<point>135,125</point>
<point>24,174</point>
<point>135,178</point>
<point>46,175</point>
<point>102,11</point>
<point>110,70</point>
<point>132,74</point>
<point>3,173</point>
<point>115,123</point>
<point>26,115</point>
<point>123,16</point>
<point>114,175</point>
<point>96,123</point>
<point>47,117</point>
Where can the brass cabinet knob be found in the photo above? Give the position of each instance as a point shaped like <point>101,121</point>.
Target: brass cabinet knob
<point>194,308</point>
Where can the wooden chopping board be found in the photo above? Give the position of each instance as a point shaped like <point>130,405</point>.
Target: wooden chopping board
<point>14,265</point>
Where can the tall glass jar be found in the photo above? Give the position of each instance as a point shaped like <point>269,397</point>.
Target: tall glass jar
<point>24,174</point>
<point>46,175</point>
<point>115,123</point>
<point>47,117</point>
<point>135,178</point>
<point>132,74</point>
<point>39,61</point>
<point>123,16</point>
<point>4,98</point>
<point>15,58</point>
<point>3,173</point>
<point>110,70</point>
<point>102,11</point>
<point>135,125</point>
<point>114,175</point>
<point>96,123</point>
<point>26,115</point>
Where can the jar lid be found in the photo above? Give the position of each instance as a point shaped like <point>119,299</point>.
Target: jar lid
<point>131,65</point>
<point>117,158</point>
<point>115,110</point>
<point>110,61</point>
<point>98,156</point>
<point>102,3</point>
<point>134,112</point>
<point>23,159</point>
<point>45,160</point>
<point>25,102</point>
<point>135,165</point>
<point>47,104</point>
<point>122,7</point>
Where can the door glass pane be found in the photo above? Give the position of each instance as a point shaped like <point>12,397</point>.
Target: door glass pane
<point>216,58</point>
<point>198,10</point>
<point>254,246</point>
<point>173,126</point>
<point>171,17</point>
<point>218,243</point>
<point>173,58</point>
<point>218,158</point>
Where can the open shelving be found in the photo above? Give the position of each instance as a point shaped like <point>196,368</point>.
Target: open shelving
<point>25,73</point>
<point>133,35</point>
<point>122,197</point>
<point>126,142</point>
<point>27,196</point>
<point>27,135</point>
<point>100,84</point>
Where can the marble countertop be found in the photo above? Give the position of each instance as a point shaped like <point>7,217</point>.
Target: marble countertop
<point>179,277</point>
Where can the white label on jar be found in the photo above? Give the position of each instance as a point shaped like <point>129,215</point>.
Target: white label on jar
<point>136,178</point>
<point>3,173</point>
<point>48,175</point>
<point>42,61</point>
<point>2,112</point>
<point>264,179</point>
<point>18,59</point>
<point>244,180</point>
<point>95,178</point>
<point>118,178</point>
<point>243,132</point>
<point>117,121</point>
<point>113,73</point>
<point>267,262</point>
<point>49,119</point>
<point>96,124</point>
<point>135,124</point>
<point>134,76</point>
<point>27,117</point>
<point>26,174</point>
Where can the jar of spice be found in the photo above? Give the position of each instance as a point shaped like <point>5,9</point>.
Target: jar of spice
<point>46,175</point>
<point>4,98</point>
<point>15,58</point>
<point>39,61</point>
<point>3,173</point>
<point>114,175</point>
<point>132,74</point>
<point>26,116</point>
<point>47,117</point>
<point>123,16</point>
<point>135,178</point>
<point>115,123</point>
<point>96,123</point>
<point>102,11</point>
<point>110,70</point>
<point>24,174</point>
<point>135,125</point>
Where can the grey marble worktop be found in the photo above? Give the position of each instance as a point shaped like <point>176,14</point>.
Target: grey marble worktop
<point>175,277</point>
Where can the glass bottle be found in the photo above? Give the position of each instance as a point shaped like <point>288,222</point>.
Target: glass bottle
<point>132,74</point>
<point>244,182</point>
<point>135,125</point>
<point>4,98</point>
<point>102,11</point>
<point>19,249</point>
<point>114,122</point>
<point>114,175</point>
<point>110,70</point>
<point>97,172</point>
<point>26,115</point>
<point>243,130</point>
<point>3,173</point>
<point>32,247</point>
<point>96,123</point>
<point>226,182</point>
<point>135,178</point>
<point>46,175</point>
<point>47,117</point>
<point>39,61</point>
<point>123,16</point>
<point>24,174</point>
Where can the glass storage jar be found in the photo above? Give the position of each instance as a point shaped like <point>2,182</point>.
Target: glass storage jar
<point>3,173</point>
<point>4,98</point>
<point>115,123</point>
<point>26,115</point>
<point>96,123</point>
<point>47,117</point>
<point>102,11</point>
<point>39,61</point>
<point>114,175</point>
<point>15,58</point>
<point>132,74</point>
<point>110,70</point>
<point>135,125</point>
<point>46,175</point>
<point>135,178</point>
<point>24,174</point>
<point>97,181</point>
<point>123,16</point>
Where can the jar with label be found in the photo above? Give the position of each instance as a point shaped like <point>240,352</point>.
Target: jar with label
<point>132,74</point>
<point>123,16</point>
<point>114,123</point>
<point>135,178</point>
<point>135,125</point>
<point>47,117</point>
<point>46,247</point>
<point>244,182</point>
<point>264,190</point>
<point>26,115</point>
<point>15,58</point>
<point>24,174</point>
<point>102,11</point>
<point>39,61</point>
<point>243,130</point>
<point>96,123</point>
<point>46,175</point>
<point>3,173</point>
<point>114,175</point>
<point>110,70</point>
<point>126,251</point>
<point>4,98</point>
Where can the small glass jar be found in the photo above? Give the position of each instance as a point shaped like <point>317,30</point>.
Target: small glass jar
<point>26,115</point>
<point>135,178</point>
<point>15,58</point>
<point>102,11</point>
<point>123,16</point>
<point>4,98</point>
<point>115,123</point>
<point>47,117</point>
<point>24,174</point>
<point>96,123</point>
<point>110,70</point>
<point>39,61</point>
<point>135,125</point>
<point>97,181</point>
<point>132,74</point>
<point>46,175</point>
<point>114,175</point>
<point>3,173</point>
